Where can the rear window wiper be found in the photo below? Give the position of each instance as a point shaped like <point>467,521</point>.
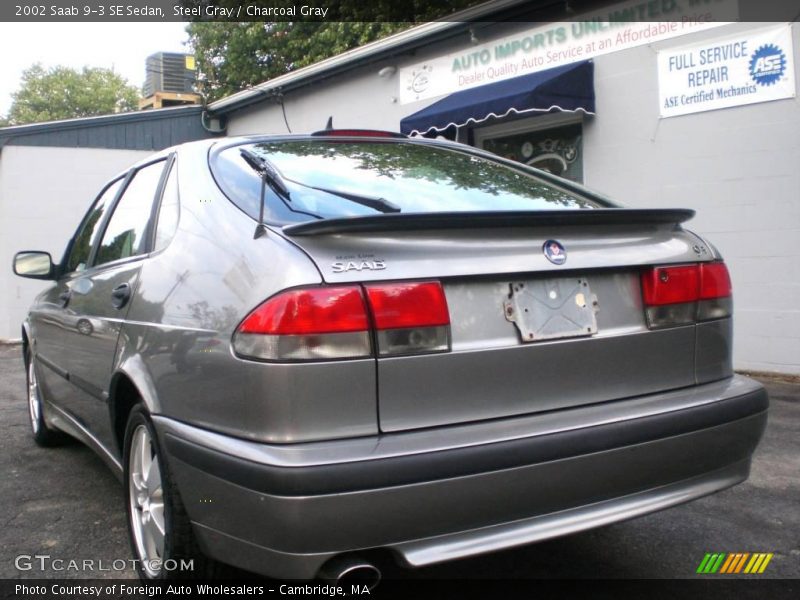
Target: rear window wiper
<point>268,171</point>
<point>380,204</point>
<point>269,177</point>
<point>272,178</point>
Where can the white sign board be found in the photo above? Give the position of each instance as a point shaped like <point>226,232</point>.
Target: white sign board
<point>753,66</point>
<point>614,28</point>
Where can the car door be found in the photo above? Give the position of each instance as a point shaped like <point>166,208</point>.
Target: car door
<point>96,300</point>
<point>52,319</point>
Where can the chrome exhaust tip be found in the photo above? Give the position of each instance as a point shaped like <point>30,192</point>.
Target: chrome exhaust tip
<point>350,571</point>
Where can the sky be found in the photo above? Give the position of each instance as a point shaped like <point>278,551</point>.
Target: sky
<point>121,46</point>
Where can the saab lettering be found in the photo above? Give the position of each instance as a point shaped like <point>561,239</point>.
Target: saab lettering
<point>64,11</point>
<point>369,265</point>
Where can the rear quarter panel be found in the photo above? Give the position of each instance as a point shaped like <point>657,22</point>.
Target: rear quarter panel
<point>176,343</point>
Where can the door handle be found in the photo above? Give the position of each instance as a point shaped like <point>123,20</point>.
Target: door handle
<point>120,295</point>
<point>64,297</point>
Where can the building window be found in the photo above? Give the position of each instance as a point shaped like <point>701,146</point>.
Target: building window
<point>550,144</point>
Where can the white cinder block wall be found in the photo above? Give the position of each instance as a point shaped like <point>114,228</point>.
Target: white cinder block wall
<point>44,193</point>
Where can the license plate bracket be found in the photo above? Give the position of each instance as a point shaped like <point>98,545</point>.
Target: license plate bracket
<point>550,309</point>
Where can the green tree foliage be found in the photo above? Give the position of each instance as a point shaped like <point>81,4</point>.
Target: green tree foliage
<point>65,93</point>
<point>235,56</point>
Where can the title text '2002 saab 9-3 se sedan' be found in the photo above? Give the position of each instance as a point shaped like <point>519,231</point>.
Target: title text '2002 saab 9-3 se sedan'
<point>295,350</point>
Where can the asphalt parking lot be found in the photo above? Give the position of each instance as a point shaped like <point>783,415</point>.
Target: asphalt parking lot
<point>65,503</point>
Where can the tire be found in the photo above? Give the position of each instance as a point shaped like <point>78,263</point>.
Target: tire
<point>43,435</point>
<point>158,526</point>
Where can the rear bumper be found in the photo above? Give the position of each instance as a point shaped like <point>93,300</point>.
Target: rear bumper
<point>451,492</point>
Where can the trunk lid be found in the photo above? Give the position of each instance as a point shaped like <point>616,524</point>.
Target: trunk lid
<point>528,335</point>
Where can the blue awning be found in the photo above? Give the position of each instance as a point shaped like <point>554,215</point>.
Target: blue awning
<point>567,88</point>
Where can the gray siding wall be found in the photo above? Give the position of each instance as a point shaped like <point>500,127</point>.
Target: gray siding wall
<point>738,167</point>
<point>142,130</point>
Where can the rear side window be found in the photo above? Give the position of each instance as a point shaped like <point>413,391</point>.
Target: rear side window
<point>89,229</point>
<point>125,234</point>
<point>338,178</point>
<point>168,212</point>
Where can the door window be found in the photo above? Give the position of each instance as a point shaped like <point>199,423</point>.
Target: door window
<point>126,232</point>
<point>89,229</point>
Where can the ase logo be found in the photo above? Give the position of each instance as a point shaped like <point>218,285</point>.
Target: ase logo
<point>767,64</point>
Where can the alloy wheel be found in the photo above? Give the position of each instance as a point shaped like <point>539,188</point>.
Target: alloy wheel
<point>146,497</point>
<point>34,399</point>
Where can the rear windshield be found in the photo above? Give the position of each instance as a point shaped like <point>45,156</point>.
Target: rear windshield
<point>329,179</point>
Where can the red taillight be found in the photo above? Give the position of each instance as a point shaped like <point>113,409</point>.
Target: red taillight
<point>670,285</point>
<point>307,324</point>
<point>308,311</point>
<point>334,322</point>
<point>715,282</point>
<point>683,294</point>
<point>410,318</point>
<point>408,305</point>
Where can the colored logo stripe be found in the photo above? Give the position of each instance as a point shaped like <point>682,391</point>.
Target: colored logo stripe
<point>711,562</point>
<point>758,563</point>
<point>734,562</point>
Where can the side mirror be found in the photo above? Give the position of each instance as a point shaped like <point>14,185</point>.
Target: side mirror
<point>34,264</point>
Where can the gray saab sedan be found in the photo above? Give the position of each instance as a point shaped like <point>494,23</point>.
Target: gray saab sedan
<point>296,351</point>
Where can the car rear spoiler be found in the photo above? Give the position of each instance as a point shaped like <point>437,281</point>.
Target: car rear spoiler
<point>474,220</point>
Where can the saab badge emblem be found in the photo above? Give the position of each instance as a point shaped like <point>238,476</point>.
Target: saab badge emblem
<point>554,252</point>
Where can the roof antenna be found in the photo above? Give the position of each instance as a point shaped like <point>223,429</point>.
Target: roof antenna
<point>329,124</point>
